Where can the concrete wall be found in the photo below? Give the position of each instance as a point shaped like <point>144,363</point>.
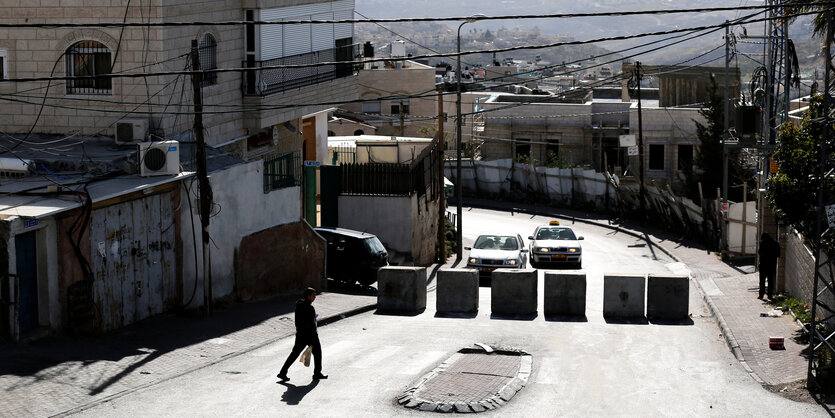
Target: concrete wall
<point>267,262</point>
<point>513,292</point>
<point>457,290</point>
<point>401,289</point>
<point>241,209</point>
<point>800,272</point>
<point>623,295</point>
<point>665,126</point>
<point>407,226</point>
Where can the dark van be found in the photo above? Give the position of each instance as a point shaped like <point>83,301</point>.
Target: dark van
<point>353,256</point>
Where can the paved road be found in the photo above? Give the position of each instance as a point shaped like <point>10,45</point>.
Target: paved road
<point>583,367</point>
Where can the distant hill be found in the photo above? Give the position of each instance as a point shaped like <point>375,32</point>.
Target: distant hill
<point>584,28</point>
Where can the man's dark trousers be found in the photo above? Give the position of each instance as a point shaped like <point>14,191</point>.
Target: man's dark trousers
<point>768,273</point>
<point>302,341</point>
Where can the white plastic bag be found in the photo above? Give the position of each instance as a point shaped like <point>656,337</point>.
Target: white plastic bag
<point>305,357</point>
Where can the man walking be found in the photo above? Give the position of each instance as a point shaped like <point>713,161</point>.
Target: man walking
<point>306,334</point>
<point>769,253</point>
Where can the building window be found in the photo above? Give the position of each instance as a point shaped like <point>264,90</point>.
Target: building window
<point>685,157</point>
<point>396,107</point>
<point>90,59</point>
<point>359,132</point>
<point>4,70</point>
<point>522,152</point>
<point>656,157</point>
<point>371,107</point>
<point>281,170</point>
<point>207,50</point>
<point>552,150</point>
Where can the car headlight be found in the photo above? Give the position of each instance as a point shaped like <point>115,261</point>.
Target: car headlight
<point>511,262</point>
<point>573,250</point>
<point>472,260</point>
<point>543,249</point>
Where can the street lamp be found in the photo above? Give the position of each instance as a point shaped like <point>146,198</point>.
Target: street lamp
<point>458,240</point>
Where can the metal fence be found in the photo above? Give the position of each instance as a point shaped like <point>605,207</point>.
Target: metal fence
<point>282,170</point>
<point>263,80</point>
<point>393,179</point>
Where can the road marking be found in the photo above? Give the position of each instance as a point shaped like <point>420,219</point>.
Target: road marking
<point>418,362</point>
<point>374,357</point>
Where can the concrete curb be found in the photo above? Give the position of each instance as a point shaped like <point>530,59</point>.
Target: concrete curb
<point>730,340</point>
<point>322,322</point>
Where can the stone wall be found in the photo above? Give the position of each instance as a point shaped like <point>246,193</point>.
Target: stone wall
<point>284,258</point>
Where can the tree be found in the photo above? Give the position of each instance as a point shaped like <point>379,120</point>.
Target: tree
<point>793,191</point>
<point>819,6</point>
<point>709,158</point>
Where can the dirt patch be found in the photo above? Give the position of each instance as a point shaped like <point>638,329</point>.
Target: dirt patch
<point>798,392</point>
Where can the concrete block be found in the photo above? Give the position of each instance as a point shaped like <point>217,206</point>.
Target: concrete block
<point>623,295</point>
<point>513,292</point>
<point>401,289</point>
<point>668,296</point>
<point>565,294</point>
<point>457,290</point>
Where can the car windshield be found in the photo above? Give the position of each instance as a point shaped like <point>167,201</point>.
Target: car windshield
<point>496,242</point>
<point>555,233</point>
<point>374,245</point>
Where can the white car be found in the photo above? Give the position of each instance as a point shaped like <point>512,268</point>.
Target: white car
<point>491,252</point>
<point>555,245</point>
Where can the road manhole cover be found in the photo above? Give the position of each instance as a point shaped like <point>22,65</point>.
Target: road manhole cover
<point>472,380</point>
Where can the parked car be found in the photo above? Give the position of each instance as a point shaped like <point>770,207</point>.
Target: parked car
<point>555,245</point>
<point>353,256</point>
<point>491,252</point>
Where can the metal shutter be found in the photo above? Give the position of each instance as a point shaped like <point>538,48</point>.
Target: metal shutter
<point>343,30</point>
<point>297,37</point>
<point>322,33</point>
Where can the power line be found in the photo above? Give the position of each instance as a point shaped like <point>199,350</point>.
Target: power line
<point>444,55</point>
<point>397,20</point>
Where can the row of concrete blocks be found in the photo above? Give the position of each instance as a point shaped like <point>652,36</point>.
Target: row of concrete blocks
<point>514,292</point>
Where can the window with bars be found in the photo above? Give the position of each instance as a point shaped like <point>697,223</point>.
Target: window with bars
<point>282,170</point>
<point>91,60</point>
<point>207,51</point>
<point>396,106</point>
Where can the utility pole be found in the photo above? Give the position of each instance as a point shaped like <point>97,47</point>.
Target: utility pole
<point>202,175</point>
<point>725,127</point>
<point>640,142</point>
<point>442,200</point>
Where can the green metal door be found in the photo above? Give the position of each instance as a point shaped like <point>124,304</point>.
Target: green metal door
<point>310,194</point>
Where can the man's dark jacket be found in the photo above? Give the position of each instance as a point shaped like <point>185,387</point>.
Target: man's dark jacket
<point>305,318</point>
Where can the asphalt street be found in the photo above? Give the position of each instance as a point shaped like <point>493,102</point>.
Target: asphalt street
<point>584,366</point>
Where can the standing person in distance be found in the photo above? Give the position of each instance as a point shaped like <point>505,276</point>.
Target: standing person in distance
<point>769,253</point>
<point>306,334</point>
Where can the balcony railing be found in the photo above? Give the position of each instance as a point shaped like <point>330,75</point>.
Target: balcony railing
<point>262,81</point>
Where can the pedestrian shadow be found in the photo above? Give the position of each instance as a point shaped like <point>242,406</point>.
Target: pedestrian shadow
<point>294,394</point>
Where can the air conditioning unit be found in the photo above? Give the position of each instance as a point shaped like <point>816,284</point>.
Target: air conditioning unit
<point>130,131</point>
<point>159,158</point>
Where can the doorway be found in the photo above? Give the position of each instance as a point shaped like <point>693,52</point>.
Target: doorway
<point>26,256</point>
